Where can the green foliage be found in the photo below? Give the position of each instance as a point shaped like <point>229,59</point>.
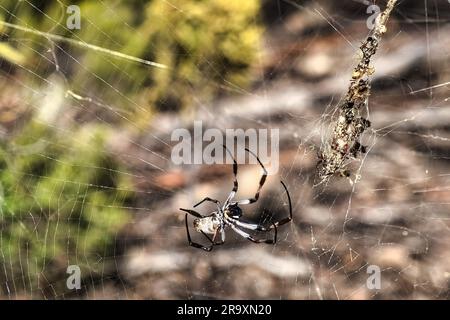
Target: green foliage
<point>61,200</point>
<point>61,194</point>
<point>207,45</point>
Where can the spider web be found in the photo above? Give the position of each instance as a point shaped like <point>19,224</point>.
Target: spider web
<point>87,177</point>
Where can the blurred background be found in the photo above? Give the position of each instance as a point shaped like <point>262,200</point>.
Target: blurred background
<point>86,176</point>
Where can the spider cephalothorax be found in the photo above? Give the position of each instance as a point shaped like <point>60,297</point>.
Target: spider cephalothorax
<point>233,211</point>
<point>229,215</point>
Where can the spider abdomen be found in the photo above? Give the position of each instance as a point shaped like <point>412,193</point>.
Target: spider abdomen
<point>207,225</point>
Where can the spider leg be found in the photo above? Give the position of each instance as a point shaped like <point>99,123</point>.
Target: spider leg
<point>261,182</point>
<point>252,239</point>
<point>192,212</point>
<point>197,245</point>
<point>217,202</point>
<point>246,225</point>
<point>213,240</point>
<point>235,182</point>
<point>288,219</point>
<point>252,226</point>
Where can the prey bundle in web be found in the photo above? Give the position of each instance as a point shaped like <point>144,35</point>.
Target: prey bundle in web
<point>344,145</point>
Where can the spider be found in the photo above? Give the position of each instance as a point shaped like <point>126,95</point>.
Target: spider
<point>229,215</point>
